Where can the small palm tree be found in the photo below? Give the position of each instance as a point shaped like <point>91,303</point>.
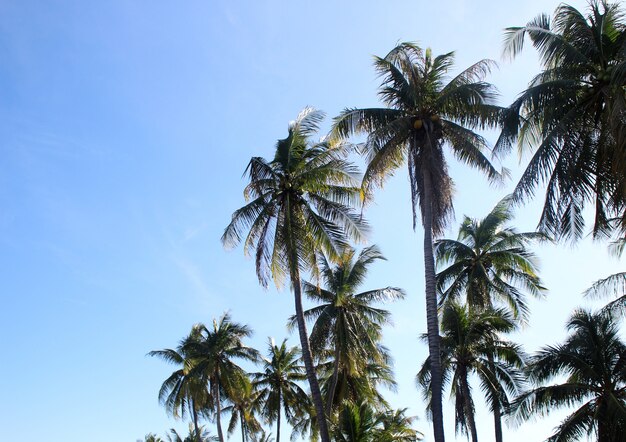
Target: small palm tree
<point>470,344</point>
<point>424,115</point>
<point>245,403</point>
<point>299,204</point>
<point>278,384</point>
<point>194,435</point>
<point>360,422</point>
<point>574,112</point>
<point>211,356</point>
<point>590,367</point>
<point>346,324</point>
<point>182,392</point>
<point>151,437</point>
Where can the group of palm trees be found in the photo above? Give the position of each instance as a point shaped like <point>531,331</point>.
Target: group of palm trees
<point>303,216</point>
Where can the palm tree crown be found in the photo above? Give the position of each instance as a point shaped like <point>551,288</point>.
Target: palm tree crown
<point>424,115</point>
<point>347,327</point>
<point>593,361</point>
<point>489,262</point>
<point>574,111</point>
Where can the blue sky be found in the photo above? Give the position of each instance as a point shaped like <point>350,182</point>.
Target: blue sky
<point>125,127</point>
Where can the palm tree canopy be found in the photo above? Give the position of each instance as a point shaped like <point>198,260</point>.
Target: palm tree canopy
<point>574,113</point>
<point>345,318</point>
<point>424,113</point>
<point>489,262</point>
<point>468,340</point>
<point>182,392</point>
<point>593,361</point>
<point>279,382</point>
<point>298,203</point>
<point>213,351</point>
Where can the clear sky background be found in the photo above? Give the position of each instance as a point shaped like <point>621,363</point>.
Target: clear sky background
<point>125,127</point>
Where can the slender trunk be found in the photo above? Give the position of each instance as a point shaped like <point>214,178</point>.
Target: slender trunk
<point>333,382</point>
<point>218,407</point>
<point>195,419</point>
<point>497,406</point>
<point>278,420</point>
<point>432,320</point>
<point>294,272</point>
<point>469,409</point>
<point>243,428</point>
<point>316,395</point>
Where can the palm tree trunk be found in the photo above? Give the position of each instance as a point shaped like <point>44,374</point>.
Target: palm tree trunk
<point>294,272</point>
<point>316,395</point>
<point>218,406</point>
<point>195,419</point>
<point>432,320</point>
<point>243,430</point>
<point>497,406</point>
<point>469,409</point>
<point>278,420</point>
<point>333,382</point>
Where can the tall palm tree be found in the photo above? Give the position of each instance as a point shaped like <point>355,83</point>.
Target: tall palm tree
<point>211,356</point>
<point>590,369</point>
<point>345,322</point>
<point>424,114</point>
<point>278,384</point>
<point>183,392</point>
<point>490,264</point>
<point>574,113</point>
<point>470,344</point>
<point>299,204</point>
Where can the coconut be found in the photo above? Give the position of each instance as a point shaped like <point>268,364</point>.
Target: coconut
<point>434,118</point>
<point>418,124</point>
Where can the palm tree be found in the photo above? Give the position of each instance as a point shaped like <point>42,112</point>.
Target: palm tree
<point>278,384</point>
<point>488,264</point>
<point>360,422</point>
<point>470,344</point>
<point>590,367</point>
<point>151,437</point>
<point>424,114</point>
<point>245,402</point>
<point>345,321</point>
<point>212,352</point>
<point>195,435</point>
<point>299,204</point>
<point>574,112</point>
<point>182,392</point>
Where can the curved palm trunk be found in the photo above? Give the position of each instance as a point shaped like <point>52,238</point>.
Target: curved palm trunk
<point>218,406</point>
<point>294,273</point>
<point>278,420</point>
<point>316,395</point>
<point>467,403</point>
<point>432,320</point>
<point>333,382</point>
